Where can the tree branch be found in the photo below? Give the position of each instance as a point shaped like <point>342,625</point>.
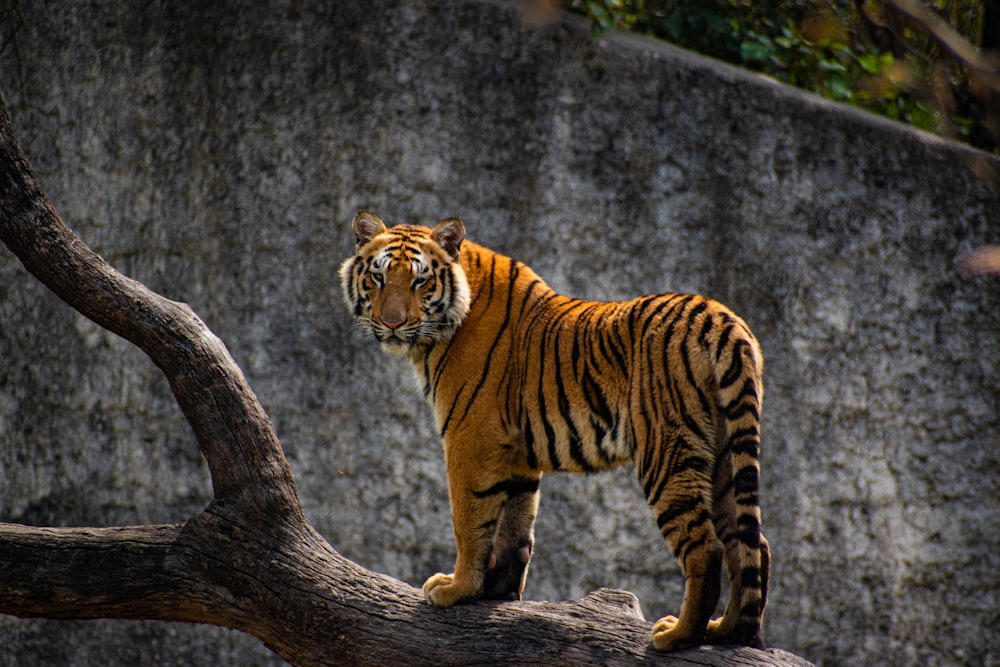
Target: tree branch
<point>987,69</point>
<point>64,572</point>
<point>252,561</point>
<point>242,449</point>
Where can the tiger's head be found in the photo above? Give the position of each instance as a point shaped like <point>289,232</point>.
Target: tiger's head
<point>404,284</point>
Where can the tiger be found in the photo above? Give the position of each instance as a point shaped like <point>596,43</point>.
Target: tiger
<point>524,381</point>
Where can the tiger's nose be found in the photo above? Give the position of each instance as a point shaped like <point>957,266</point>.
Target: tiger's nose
<point>393,324</point>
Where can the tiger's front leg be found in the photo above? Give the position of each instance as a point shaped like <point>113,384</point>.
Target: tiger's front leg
<point>475,512</point>
<point>507,568</point>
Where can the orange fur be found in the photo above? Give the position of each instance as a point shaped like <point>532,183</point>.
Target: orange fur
<point>525,381</point>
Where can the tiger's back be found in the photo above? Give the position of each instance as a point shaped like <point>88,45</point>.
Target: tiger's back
<point>531,381</point>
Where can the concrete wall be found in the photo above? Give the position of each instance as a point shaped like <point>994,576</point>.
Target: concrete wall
<point>217,153</point>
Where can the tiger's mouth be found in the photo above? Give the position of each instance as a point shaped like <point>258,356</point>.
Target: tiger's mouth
<point>402,339</point>
<point>394,341</point>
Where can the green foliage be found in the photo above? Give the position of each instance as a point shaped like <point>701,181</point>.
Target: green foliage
<point>854,52</point>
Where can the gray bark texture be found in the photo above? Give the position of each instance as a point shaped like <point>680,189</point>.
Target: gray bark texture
<point>217,152</point>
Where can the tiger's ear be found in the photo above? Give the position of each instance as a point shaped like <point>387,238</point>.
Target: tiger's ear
<point>449,234</point>
<point>366,226</point>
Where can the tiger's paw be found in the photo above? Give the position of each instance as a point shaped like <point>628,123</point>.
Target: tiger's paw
<point>729,630</point>
<point>446,590</point>
<point>505,575</point>
<point>719,631</point>
<point>667,636</point>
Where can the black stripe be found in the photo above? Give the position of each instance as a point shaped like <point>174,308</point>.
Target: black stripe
<point>723,340</point>
<point>514,487</point>
<point>601,417</point>
<point>744,441</point>
<point>427,376</point>
<point>746,480</point>
<point>539,308</point>
<point>487,366</point>
<point>597,402</point>
<point>750,577</point>
<point>695,312</point>
<point>734,414</point>
<point>496,489</point>
<point>706,405</point>
<point>531,458</point>
<point>600,434</point>
<point>666,305</point>
<point>703,517</point>
<point>706,328</point>
<point>550,436</point>
<point>653,497</point>
<point>748,392</point>
<point>553,328</point>
<point>442,363</point>
<point>675,311</point>
<point>618,347</point>
<point>491,286</point>
<point>451,411</point>
<point>646,467</point>
<point>562,402</point>
<point>520,486</point>
<point>687,545</point>
<point>748,445</point>
<point>735,370</point>
<point>677,510</point>
<point>673,388</point>
<point>444,285</point>
<point>609,351</point>
<point>748,529</point>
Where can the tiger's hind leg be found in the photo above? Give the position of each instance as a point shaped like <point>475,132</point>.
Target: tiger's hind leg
<point>723,515</point>
<point>514,542</point>
<point>731,628</point>
<point>748,557</point>
<point>741,624</point>
<point>684,514</point>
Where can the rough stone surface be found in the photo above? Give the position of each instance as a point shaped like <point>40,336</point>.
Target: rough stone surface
<point>217,151</point>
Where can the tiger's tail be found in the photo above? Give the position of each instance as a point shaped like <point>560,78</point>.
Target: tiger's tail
<point>736,499</point>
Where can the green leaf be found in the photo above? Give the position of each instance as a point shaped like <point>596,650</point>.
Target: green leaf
<point>869,62</point>
<point>600,14</point>
<point>831,66</point>
<point>839,88</point>
<point>754,51</point>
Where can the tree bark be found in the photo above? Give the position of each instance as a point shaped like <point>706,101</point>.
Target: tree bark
<point>251,560</point>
